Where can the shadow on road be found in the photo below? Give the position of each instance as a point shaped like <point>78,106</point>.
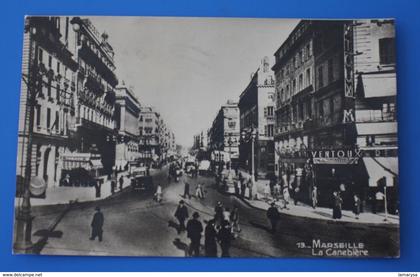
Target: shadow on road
<point>45,235</point>
<point>181,246</point>
<point>174,225</point>
<point>260,226</point>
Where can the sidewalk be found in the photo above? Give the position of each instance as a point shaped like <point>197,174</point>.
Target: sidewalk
<point>63,195</point>
<point>322,213</point>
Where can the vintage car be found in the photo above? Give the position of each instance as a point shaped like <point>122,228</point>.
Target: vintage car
<point>140,181</point>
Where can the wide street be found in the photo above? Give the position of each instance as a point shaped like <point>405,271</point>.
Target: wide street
<point>136,225</point>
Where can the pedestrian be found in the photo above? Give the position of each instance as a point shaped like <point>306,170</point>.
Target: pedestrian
<point>276,191</point>
<point>98,185</point>
<point>286,197</point>
<point>296,193</point>
<point>356,206</point>
<point>187,190</point>
<point>199,192</point>
<point>226,214</point>
<point>158,194</point>
<point>210,236</point>
<point>181,214</point>
<point>218,216</point>
<point>254,190</point>
<point>337,203</point>
<point>267,191</point>
<point>224,237</point>
<point>194,229</point>
<point>379,201</point>
<point>273,216</point>
<point>250,187</point>
<point>97,224</point>
<point>121,181</point>
<point>234,221</point>
<point>113,186</point>
<point>314,197</point>
<point>237,187</point>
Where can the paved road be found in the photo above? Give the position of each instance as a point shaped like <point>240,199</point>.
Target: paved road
<point>136,225</point>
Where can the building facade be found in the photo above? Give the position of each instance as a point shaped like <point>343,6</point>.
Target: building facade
<point>318,140</point>
<point>94,129</point>
<point>256,107</point>
<point>127,111</point>
<point>46,104</point>
<point>149,121</point>
<point>224,134</point>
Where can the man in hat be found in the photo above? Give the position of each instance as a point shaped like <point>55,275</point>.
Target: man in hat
<point>273,215</point>
<point>194,229</point>
<point>181,214</point>
<point>97,223</point>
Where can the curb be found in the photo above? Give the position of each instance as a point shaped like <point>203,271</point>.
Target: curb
<point>327,221</point>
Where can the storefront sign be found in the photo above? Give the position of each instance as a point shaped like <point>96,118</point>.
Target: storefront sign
<point>336,156</point>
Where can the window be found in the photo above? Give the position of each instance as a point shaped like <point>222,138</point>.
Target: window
<point>38,115</point>
<point>300,111</point>
<point>308,80</point>
<point>270,111</point>
<point>301,81</point>
<point>48,118</point>
<point>308,109</point>
<point>294,86</point>
<point>321,108</point>
<point>49,88</point>
<point>141,118</point>
<point>270,130</point>
<point>40,55</point>
<point>57,120</point>
<point>287,91</point>
<point>308,50</point>
<point>330,71</point>
<point>387,51</point>
<point>58,93</point>
<point>301,57</point>
<point>49,61</point>
<point>320,77</point>
<point>331,105</point>
<point>58,67</point>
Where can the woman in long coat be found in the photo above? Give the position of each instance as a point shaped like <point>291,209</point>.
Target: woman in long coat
<point>210,237</point>
<point>338,201</point>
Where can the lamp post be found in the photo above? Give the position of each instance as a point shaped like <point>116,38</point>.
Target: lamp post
<point>33,81</point>
<point>251,136</point>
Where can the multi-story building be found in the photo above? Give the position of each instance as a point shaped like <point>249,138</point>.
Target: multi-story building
<point>224,134</point>
<point>256,106</point>
<point>46,103</point>
<point>93,131</point>
<point>200,140</point>
<point>127,111</point>
<point>317,140</point>
<point>149,121</point>
<point>375,105</point>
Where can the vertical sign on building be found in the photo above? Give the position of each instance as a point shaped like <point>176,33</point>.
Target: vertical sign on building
<point>349,100</point>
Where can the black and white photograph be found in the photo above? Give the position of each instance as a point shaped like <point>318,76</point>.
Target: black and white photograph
<point>207,137</point>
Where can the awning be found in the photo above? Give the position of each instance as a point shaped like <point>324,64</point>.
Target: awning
<point>96,164</point>
<point>120,164</point>
<point>379,85</point>
<point>380,167</point>
<point>376,128</point>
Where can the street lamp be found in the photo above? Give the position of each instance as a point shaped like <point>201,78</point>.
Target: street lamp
<point>33,81</point>
<point>247,136</point>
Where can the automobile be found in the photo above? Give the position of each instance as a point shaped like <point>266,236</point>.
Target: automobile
<point>204,167</point>
<point>140,181</point>
<point>189,166</point>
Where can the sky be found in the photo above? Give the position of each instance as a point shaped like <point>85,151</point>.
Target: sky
<point>188,67</point>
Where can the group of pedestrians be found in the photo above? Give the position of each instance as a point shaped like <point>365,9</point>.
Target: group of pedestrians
<point>199,191</point>
<point>221,229</point>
